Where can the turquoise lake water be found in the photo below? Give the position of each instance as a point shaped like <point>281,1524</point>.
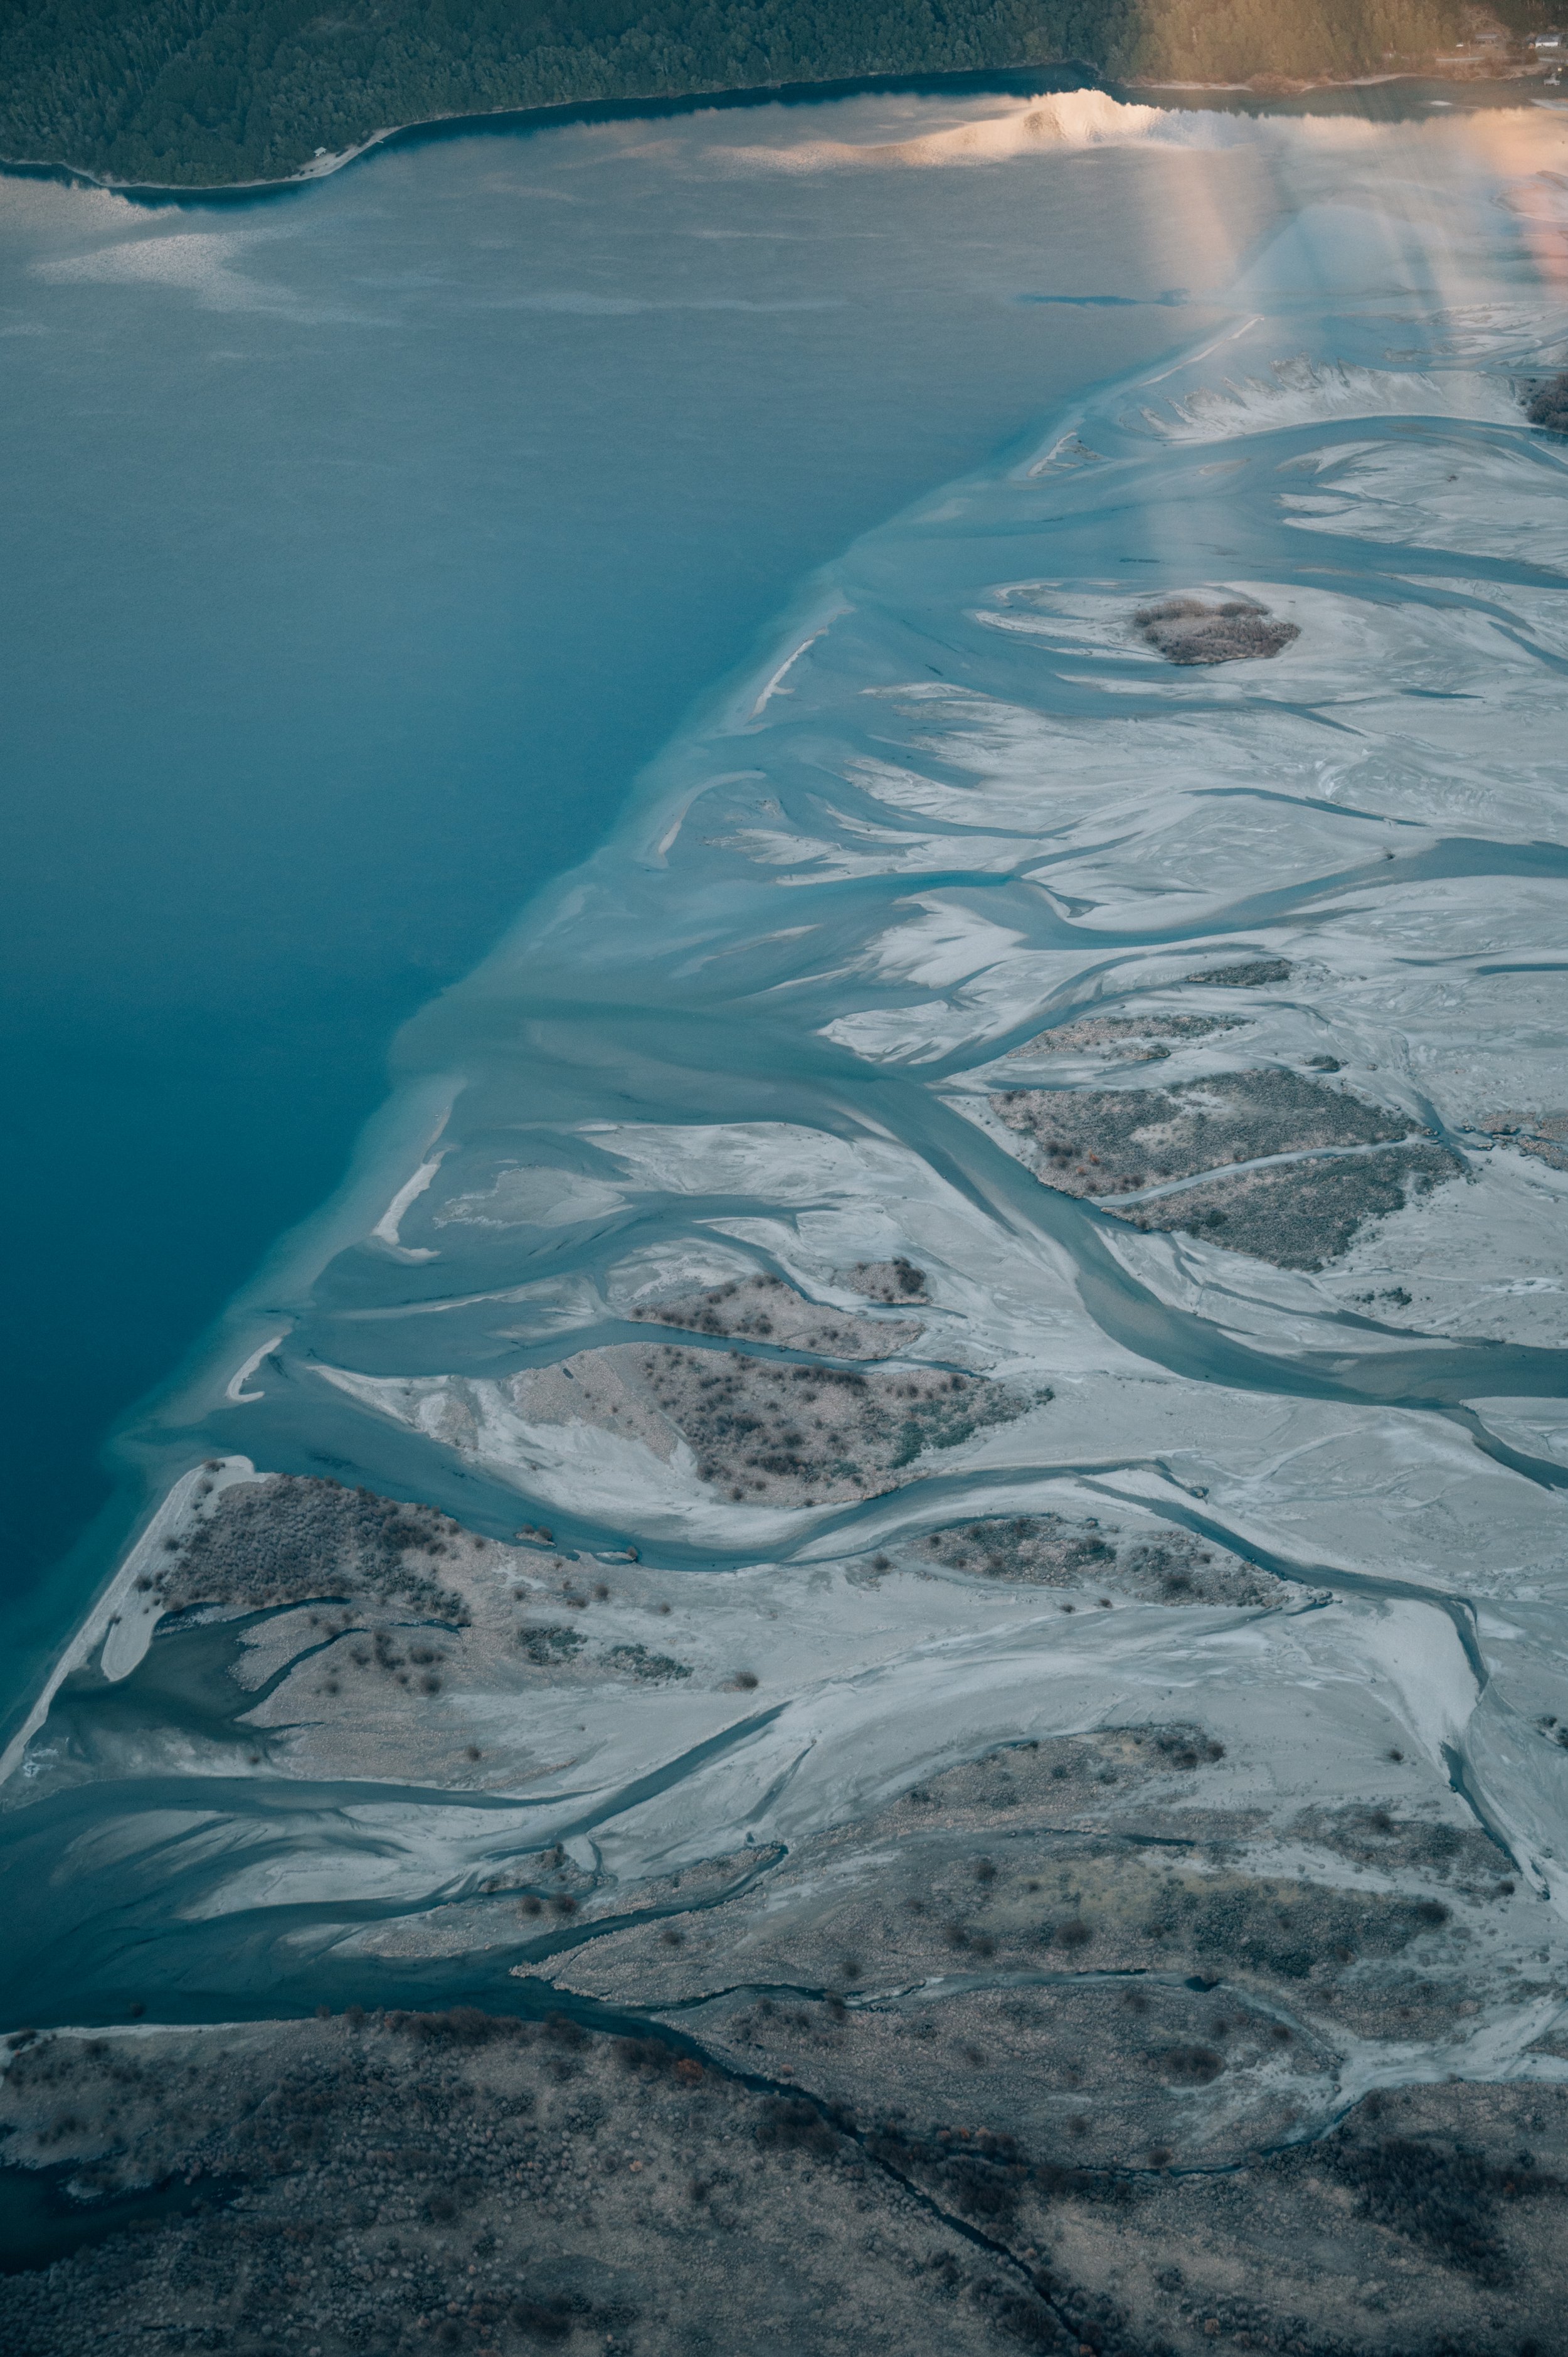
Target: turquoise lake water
<point>360,545</point>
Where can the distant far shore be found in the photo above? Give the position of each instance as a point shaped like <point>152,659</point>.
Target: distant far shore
<point>1021,81</point>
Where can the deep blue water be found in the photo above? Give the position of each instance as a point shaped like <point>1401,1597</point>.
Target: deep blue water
<point>359,545</point>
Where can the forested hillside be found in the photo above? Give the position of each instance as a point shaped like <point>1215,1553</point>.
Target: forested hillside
<point>198,93</point>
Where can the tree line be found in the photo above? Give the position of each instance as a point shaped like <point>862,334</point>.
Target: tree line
<point>201,93</point>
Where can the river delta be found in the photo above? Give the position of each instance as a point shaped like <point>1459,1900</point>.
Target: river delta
<point>870,1654</point>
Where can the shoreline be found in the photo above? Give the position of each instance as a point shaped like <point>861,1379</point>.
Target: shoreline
<point>1022,81</point>
<point>570,110</point>
<point>210,1372</point>
<point>123,1635</point>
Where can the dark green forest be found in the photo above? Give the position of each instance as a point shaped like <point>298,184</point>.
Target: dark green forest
<point>199,93</point>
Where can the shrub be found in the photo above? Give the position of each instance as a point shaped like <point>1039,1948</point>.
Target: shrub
<point>1437,2195</point>
<point>1190,2066</point>
<point>1548,405</point>
<point>792,2124</point>
<point>544,2319</point>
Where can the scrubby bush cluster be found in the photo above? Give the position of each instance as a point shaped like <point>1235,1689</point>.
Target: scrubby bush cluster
<point>1548,405</point>
<point>1137,1038</point>
<point>1250,974</point>
<point>380,2184</point>
<point>897,1279</point>
<point>1104,1143</point>
<point>760,1424</point>
<point>1047,1550</point>
<point>1186,630</point>
<point>1289,1929</point>
<point>1306,1213</point>
<point>763,1308</point>
<point>1100,1142</point>
<point>1437,2192</point>
<point>291,1541</point>
<point>651,1669</point>
<point>546,1645</point>
<point>437,2180</point>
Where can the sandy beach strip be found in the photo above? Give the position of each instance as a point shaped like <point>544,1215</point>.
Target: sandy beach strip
<point>122,1619</point>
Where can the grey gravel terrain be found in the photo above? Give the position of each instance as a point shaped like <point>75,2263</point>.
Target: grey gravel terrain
<point>1072,1938</point>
